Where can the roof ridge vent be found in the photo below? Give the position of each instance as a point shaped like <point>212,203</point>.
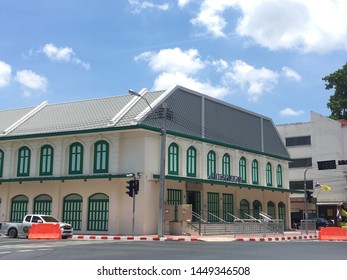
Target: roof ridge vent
<point>126,109</point>
<point>24,118</point>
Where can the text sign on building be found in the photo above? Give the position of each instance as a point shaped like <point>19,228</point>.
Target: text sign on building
<point>327,164</point>
<point>223,177</point>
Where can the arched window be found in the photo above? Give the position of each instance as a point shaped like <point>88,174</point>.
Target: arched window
<point>173,159</point>
<point>98,207</point>
<point>242,170</point>
<point>76,158</point>
<point>46,160</point>
<point>244,209</point>
<point>282,211</point>
<point>279,176</point>
<point>211,163</point>
<point>1,162</point>
<point>43,204</point>
<point>101,155</point>
<point>23,168</point>
<point>226,164</point>
<point>191,162</point>
<point>19,208</point>
<point>268,174</point>
<point>255,172</point>
<point>256,209</point>
<point>271,211</point>
<point>72,211</point>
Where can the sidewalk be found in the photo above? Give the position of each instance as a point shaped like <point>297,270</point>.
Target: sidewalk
<point>287,236</point>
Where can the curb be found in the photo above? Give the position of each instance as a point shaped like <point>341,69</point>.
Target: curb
<point>277,239</point>
<point>132,238</point>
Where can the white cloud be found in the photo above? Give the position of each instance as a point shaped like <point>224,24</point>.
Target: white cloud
<point>63,54</point>
<point>183,3</point>
<point>255,81</point>
<point>290,73</point>
<point>176,66</point>
<point>5,74</point>
<point>31,81</point>
<point>139,5</point>
<point>166,80</point>
<point>290,112</point>
<point>308,26</point>
<point>211,16</point>
<point>173,60</point>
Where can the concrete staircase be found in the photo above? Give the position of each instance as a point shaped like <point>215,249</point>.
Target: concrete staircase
<point>219,228</point>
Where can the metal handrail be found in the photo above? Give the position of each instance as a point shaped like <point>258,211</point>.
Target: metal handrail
<point>235,217</point>
<point>213,215</point>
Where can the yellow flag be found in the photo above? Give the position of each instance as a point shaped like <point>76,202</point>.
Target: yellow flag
<point>343,212</point>
<point>324,187</point>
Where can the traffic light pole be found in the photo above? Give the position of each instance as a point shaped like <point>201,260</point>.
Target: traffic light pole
<point>133,224</point>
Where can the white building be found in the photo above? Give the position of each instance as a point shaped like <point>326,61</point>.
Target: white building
<point>321,139</point>
<point>72,160</point>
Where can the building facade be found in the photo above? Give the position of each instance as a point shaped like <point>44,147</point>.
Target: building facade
<point>321,139</point>
<point>73,160</point>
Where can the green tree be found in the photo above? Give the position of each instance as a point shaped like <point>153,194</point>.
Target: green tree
<point>338,101</point>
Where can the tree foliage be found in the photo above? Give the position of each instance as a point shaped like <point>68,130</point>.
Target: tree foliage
<point>338,101</point>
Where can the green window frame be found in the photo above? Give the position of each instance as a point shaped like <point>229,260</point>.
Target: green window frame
<point>226,164</point>
<point>282,212</point>
<point>46,160</point>
<point>279,176</point>
<point>72,210</point>
<point>244,209</point>
<point>2,155</point>
<point>98,212</point>
<point>43,204</point>
<point>76,152</point>
<point>212,207</point>
<point>211,163</point>
<point>173,159</point>
<point>191,162</point>
<point>228,207</point>
<point>243,170</point>
<point>269,174</point>
<point>256,209</point>
<point>23,168</point>
<point>255,172</point>
<point>271,211</point>
<point>101,156</point>
<point>19,208</point>
<point>174,197</point>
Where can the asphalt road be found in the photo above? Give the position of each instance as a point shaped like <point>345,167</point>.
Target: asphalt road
<point>23,249</point>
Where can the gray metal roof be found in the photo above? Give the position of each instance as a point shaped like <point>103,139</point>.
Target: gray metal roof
<point>190,113</point>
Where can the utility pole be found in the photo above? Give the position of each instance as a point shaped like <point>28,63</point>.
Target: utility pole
<point>162,173</point>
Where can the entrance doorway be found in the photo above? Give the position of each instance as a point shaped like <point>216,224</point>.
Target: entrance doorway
<point>194,198</point>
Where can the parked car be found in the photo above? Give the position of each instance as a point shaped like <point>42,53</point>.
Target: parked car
<point>13,229</point>
<point>322,222</point>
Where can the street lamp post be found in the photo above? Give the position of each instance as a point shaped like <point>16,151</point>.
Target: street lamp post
<point>162,163</point>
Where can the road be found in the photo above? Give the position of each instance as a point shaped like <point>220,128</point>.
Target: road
<point>23,249</point>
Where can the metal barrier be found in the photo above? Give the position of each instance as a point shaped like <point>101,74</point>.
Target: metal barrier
<point>308,226</point>
<point>239,226</point>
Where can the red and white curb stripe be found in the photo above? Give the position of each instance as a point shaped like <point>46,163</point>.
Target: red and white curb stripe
<point>132,238</point>
<point>281,238</point>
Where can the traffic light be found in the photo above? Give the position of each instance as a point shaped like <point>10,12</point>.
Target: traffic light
<point>308,196</point>
<point>342,162</point>
<point>327,164</point>
<point>130,188</point>
<point>136,186</point>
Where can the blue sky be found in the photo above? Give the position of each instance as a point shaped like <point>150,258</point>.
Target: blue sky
<point>266,56</point>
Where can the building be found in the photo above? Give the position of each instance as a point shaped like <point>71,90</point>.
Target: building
<point>321,139</point>
<point>73,160</point>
